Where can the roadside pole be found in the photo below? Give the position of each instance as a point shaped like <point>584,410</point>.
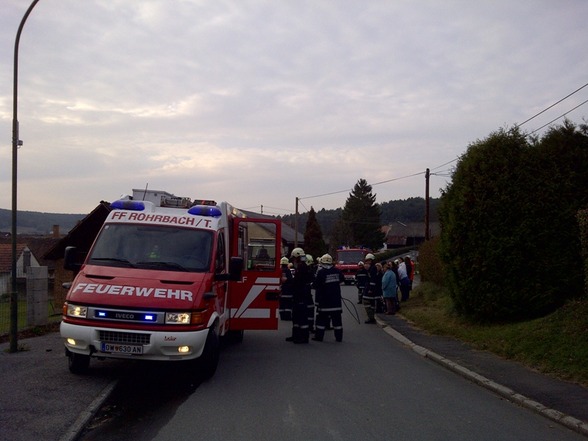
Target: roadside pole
<point>16,142</point>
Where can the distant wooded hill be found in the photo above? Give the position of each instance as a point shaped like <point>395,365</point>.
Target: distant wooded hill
<point>407,210</point>
<point>37,223</point>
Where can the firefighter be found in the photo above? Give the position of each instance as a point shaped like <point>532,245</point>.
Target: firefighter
<point>319,267</point>
<point>361,279</point>
<point>370,296</point>
<point>312,268</point>
<point>286,290</point>
<point>300,287</point>
<point>328,297</point>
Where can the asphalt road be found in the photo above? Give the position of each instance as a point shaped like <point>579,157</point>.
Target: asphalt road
<point>368,387</point>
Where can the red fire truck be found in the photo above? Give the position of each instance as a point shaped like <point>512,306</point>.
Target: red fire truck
<point>347,260</point>
<point>165,280</point>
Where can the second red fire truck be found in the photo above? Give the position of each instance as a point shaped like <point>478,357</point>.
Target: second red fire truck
<point>347,260</point>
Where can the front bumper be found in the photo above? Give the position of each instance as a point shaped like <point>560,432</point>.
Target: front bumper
<point>156,345</point>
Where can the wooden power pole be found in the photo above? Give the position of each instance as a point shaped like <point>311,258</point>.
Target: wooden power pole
<point>427,175</point>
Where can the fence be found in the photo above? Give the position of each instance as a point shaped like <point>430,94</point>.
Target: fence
<point>35,307</point>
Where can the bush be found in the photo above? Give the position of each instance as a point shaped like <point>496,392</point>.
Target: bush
<point>583,223</point>
<point>509,235</point>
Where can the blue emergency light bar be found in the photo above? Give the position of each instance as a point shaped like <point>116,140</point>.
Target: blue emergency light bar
<point>196,210</point>
<point>122,204</point>
<point>134,316</point>
<point>205,210</point>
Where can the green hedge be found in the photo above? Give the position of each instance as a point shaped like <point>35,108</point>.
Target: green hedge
<point>510,237</point>
<point>583,223</point>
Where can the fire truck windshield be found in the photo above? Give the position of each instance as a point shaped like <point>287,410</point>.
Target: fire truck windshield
<point>153,247</point>
<point>350,256</point>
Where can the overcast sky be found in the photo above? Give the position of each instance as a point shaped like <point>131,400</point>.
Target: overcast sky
<point>260,102</point>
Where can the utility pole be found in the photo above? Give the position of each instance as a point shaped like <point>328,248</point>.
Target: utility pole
<point>296,225</point>
<point>427,175</point>
<point>16,142</point>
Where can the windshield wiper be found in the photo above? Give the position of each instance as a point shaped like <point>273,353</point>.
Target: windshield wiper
<point>113,259</point>
<point>173,265</point>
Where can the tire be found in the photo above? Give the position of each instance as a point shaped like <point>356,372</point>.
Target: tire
<point>78,363</point>
<point>235,336</point>
<point>208,361</point>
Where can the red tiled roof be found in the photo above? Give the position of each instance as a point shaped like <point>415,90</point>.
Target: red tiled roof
<point>6,255</point>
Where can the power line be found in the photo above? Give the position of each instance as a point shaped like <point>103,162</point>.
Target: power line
<point>324,194</point>
<point>377,183</point>
<point>561,116</point>
<point>277,208</point>
<point>398,179</point>
<point>447,173</point>
<point>443,165</point>
<point>303,204</point>
<point>554,104</point>
<point>443,173</point>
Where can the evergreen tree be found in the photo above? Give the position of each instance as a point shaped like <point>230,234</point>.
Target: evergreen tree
<point>314,243</point>
<point>361,215</point>
<point>340,235</point>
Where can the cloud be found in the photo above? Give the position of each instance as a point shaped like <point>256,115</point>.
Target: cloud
<point>262,102</point>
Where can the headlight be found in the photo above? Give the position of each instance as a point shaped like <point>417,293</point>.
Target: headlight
<point>77,311</point>
<point>177,318</point>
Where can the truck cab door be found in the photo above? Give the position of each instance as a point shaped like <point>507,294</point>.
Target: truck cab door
<point>253,299</point>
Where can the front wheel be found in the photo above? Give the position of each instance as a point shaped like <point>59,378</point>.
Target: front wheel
<point>235,336</point>
<point>208,361</point>
<point>78,363</point>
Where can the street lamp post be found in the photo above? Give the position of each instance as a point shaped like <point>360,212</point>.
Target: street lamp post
<point>16,142</point>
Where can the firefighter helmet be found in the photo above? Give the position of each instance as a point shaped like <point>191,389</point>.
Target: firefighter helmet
<point>327,259</point>
<point>284,261</point>
<point>369,256</point>
<point>309,259</point>
<point>298,252</point>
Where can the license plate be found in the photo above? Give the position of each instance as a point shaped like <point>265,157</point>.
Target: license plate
<point>121,349</point>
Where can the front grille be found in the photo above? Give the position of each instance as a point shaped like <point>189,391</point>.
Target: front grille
<point>129,338</point>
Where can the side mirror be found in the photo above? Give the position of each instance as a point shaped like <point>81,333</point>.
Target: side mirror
<point>70,259</point>
<point>235,268</point>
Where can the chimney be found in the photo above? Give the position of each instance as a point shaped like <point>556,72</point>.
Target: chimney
<point>26,259</point>
<point>56,231</point>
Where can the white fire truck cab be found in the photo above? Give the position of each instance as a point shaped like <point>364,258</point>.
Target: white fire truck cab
<point>165,280</point>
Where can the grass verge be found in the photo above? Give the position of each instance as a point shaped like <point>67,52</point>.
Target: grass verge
<point>53,319</point>
<point>556,344</point>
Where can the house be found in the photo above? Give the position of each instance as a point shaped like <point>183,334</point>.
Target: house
<point>399,234</point>
<point>82,237</point>
<point>25,259</point>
